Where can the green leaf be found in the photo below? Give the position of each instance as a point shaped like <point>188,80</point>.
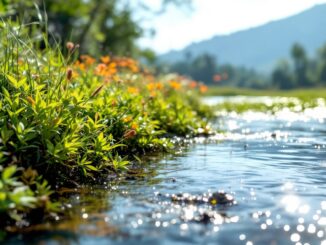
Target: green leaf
<point>3,196</point>
<point>91,167</point>
<point>8,172</point>
<point>12,80</point>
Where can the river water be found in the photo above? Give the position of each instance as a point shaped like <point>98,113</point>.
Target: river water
<point>273,165</point>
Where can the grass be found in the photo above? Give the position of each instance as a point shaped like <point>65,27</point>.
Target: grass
<point>302,93</point>
<point>67,120</point>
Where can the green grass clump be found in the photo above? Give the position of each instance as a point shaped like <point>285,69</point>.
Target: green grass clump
<point>65,120</point>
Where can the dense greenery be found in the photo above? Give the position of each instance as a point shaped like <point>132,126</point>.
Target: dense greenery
<point>97,26</point>
<point>67,119</point>
<point>206,69</point>
<point>300,72</point>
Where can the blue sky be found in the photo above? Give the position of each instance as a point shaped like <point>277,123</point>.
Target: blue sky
<point>178,28</point>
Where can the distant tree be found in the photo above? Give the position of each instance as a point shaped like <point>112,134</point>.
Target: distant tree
<point>282,76</point>
<point>203,68</point>
<point>321,65</point>
<point>300,61</point>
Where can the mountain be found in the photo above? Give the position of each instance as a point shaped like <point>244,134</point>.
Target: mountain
<point>261,47</point>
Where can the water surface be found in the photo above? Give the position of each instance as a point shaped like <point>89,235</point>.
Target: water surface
<point>273,165</point>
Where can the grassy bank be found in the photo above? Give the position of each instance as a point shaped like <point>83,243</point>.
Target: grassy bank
<point>294,100</point>
<point>304,93</point>
<point>67,120</point>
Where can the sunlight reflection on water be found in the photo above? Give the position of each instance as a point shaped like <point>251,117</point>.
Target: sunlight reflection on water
<point>273,165</point>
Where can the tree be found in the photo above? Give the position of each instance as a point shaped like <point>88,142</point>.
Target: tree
<point>321,65</point>
<point>203,68</point>
<point>99,26</point>
<point>282,76</point>
<point>300,65</point>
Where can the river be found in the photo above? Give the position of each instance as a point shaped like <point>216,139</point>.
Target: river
<point>274,166</point>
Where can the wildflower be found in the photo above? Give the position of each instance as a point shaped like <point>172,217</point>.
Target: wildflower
<point>105,59</point>
<point>203,88</point>
<point>175,85</point>
<point>133,90</point>
<point>88,60</point>
<point>127,119</point>
<point>159,86</point>
<point>134,126</point>
<point>217,78</point>
<point>151,86</point>
<point>192,84</point>
<point>100,69</point>
<point>70,46</point>
<point>69,74</point>
<point>130,133</point>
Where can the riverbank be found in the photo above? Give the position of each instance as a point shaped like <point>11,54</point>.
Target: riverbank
<point>68,119</point>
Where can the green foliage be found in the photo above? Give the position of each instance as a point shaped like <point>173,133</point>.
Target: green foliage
<point>299,72</point>
<point>20,193</point>
<point>106,26</point>
<point>205,68</point>
<point>72,121</point>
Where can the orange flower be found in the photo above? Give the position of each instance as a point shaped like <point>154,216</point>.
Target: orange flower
<point>105,59</point>
<point>80,66</point>
<point>175,85</point>
<point>159,86</point>
<point>130,133</point>
<point>88,60</point>
<point>134,126</point>
<point>151,86</point>
<point>193,84</point>
<point>153,94</point>
<point>217,78</point>
<point>133,90</point>
<point>203,88</point>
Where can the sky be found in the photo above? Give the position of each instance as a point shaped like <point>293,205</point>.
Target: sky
<point>179,27</point>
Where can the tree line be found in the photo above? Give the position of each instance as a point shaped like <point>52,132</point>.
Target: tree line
<point>98,26</point>
<point>298,71</point>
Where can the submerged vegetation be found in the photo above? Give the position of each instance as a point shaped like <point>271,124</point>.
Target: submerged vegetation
<point>66,119</point>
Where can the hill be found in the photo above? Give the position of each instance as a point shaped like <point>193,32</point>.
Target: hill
<point>261,47</point>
